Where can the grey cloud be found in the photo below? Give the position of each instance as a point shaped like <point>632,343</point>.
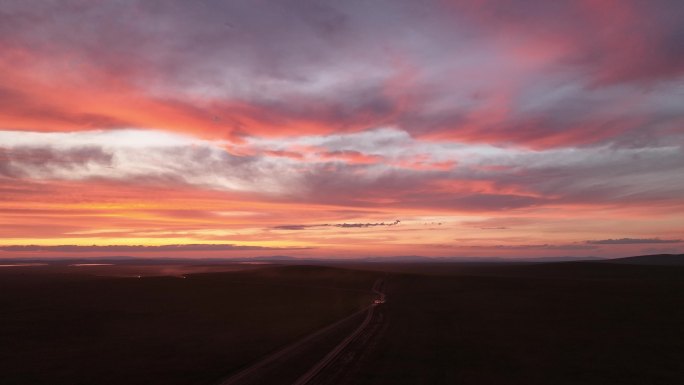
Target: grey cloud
<point>600,174</point>
<point>519,179</point>
<point>341,225</point>
<point>572,246</point>
<point>632,241</point>
<point>203,164</point>
<point>543,247</point>
<point>357,65</point>
<point>19,161</point>
<point>294,227</point>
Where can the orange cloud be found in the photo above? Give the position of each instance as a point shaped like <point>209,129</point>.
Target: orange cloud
<point>564,113</point>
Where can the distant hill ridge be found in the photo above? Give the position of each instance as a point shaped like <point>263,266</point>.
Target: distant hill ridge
<point>656,259</point>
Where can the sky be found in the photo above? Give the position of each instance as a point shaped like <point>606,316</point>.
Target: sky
<point>341,129</point>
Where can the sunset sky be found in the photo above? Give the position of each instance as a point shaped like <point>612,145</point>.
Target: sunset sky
<point>341,128</point>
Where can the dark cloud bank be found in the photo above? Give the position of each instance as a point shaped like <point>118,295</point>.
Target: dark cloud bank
<point>342,225</point>
<point>632,241</point>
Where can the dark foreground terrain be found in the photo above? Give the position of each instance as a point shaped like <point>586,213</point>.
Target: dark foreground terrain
<point>570,323</point>
<point>447,323</point>
<point>60,326</point>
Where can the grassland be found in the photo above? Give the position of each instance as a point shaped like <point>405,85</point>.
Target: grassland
<point>569,323</point>
<point>61,327</point>
<point>443,323</point>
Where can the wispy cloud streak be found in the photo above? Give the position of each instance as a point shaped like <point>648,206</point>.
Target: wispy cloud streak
<point>633,241</point>
<point>341,225</point>
<point>138,248</point>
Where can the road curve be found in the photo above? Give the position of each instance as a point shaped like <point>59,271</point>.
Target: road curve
<point>333,354</point>
<point>244,374</point>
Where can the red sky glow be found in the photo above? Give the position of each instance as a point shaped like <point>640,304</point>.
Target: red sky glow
<point>334,129</point>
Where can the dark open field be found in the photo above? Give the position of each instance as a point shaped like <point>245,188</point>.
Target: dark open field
<point>561,323</point>
<point>565,323</point>
<point>62,326</point>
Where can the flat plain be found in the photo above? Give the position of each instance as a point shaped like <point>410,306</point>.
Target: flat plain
<point>442,323</point>
<point>61,326</point>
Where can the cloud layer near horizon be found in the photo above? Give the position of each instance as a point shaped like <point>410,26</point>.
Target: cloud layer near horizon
<point>136,122</point>
<point>137,248</point>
